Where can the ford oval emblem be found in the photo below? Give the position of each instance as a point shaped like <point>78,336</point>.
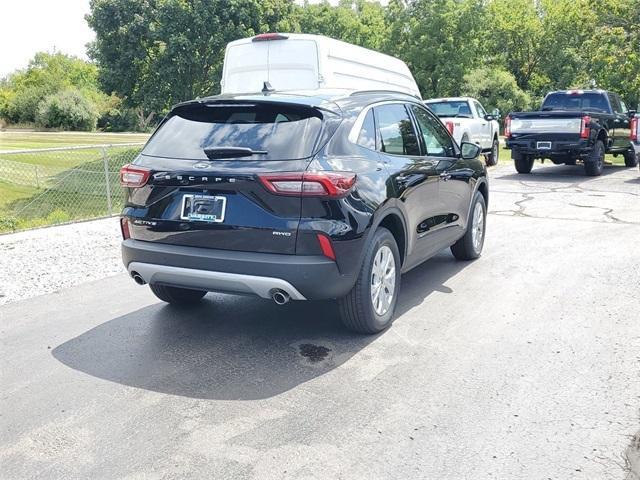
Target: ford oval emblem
<point>202,165</point>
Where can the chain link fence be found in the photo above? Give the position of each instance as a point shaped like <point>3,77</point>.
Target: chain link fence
<point>59,185</point>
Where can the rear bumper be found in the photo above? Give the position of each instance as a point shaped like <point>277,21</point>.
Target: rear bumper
<point>304,277</point>
<point>558,147</point>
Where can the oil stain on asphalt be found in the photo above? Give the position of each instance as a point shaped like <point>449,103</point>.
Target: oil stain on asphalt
<point>314,353</point>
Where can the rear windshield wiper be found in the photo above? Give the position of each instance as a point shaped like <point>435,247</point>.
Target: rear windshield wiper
<point>231,152</point>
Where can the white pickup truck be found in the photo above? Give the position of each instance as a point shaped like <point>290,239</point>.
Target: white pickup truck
<point>468,121</point>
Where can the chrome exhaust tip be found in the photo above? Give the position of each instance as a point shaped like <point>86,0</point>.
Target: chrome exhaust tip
<point>280,297</point>
<point>138,278</point>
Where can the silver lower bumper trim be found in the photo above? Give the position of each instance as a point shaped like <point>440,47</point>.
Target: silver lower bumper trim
<point>213,281</point>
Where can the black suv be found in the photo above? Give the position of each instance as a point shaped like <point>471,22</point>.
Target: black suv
<point>300,196</point>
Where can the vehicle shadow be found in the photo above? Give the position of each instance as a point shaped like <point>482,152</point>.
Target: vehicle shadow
<point>558,173</point>
<point>230,347</point>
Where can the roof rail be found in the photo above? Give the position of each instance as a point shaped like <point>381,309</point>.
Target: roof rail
<point>364,92</point>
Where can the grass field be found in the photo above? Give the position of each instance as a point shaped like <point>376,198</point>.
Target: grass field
<point>48,187</point>
<point>22,140</point>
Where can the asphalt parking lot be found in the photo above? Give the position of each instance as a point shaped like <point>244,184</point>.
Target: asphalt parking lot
<point>523,364</point>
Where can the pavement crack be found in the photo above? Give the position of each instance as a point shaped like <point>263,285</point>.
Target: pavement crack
<point>607,212</point>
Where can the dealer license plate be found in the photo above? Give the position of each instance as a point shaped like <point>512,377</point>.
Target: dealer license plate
<point>203,208</point>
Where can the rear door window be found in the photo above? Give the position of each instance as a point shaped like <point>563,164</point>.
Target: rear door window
<point>616,103</point>
<point>284,132</point>
<point>397,133</point>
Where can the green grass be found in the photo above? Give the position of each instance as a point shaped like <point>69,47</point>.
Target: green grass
<point>22,140</point>
<point>69,189</point>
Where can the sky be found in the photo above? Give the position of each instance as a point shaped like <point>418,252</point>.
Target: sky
<point>30,26</point>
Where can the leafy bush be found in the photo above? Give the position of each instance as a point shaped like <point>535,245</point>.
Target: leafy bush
<point>68,110</point>
<point>118,120</point>
<point>496,88</point>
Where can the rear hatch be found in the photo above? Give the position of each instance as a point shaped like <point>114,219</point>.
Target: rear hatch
<point>205,162</point>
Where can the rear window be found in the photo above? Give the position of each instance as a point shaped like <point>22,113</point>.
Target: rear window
<point>277,132</point>
<point>589,102</point>
<point>451,109</point>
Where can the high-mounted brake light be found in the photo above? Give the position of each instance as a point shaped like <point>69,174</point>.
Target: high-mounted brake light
<point>585,131</point>
<point>449,125</point>
<point>507,126</point>
<point>132,176</point>
<point>265,37</point>
<point>326,246</point>
<point>635,129</point>
<point>309,184</point>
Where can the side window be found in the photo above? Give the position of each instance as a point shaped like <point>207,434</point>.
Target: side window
<point>615,103</point>
<point>624,106</point>
<point>397,135</point>
<point>436,140</point>
<point>481,111</point>
<point>367,136</point>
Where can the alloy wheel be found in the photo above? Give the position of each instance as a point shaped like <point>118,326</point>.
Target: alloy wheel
<point>383,280</point>
<point>477,227</point>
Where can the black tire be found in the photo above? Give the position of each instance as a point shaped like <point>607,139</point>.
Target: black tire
<point>630,158</point>
<point>523,163</point>
<point>464,248</point>
<point>356,308</point>
<point>594,163</point>
<point>492,158</point>
<point>175,295</point>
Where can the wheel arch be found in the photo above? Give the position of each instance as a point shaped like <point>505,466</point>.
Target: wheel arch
<point>393,222</point>
<point>483,188</point>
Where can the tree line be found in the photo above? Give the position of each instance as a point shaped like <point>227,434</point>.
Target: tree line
<point>151,54</point>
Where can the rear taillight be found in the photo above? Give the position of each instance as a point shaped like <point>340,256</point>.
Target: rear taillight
<point>124,227</point>
<point>635,129</point>
<point>132,176</point>
<point>326,246</point>
<point>449,126</point>
<point>585,131</point>
<point>309,184</point>
<point>507,126</point>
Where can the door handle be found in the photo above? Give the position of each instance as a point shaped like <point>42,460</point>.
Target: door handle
<point>445,176</point>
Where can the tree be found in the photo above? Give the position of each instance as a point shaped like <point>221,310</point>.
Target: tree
<point>47,74</point>
<point>495,88</point>
<point>540,43</point>
<point>359,22</point>
<point>68,110</point>
<point>438,39</point>
<point>155,53</point>
<point>615,63</point>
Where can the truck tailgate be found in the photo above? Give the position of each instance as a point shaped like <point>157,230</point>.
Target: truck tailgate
<point>546,125</point>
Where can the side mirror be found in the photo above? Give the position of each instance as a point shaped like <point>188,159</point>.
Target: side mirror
<point>469,151</point>
<point>489,118</point>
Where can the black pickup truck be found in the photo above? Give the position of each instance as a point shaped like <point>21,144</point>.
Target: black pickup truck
<point>572,126</point>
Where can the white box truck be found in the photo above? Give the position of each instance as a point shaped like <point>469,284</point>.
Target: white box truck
<point>291,61</point>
